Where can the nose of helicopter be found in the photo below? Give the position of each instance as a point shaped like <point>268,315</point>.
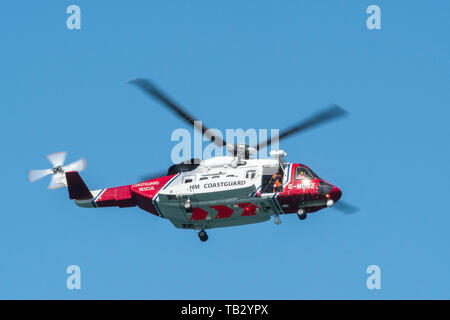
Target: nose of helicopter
<point>331,192</point>
<point>335,194</point>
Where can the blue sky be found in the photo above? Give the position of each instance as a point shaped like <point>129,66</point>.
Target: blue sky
<point>259,64</point>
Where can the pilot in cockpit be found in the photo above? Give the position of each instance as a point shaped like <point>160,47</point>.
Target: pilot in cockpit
<point>301,174</point>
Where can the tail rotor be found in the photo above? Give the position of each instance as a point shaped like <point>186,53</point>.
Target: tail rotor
<point>58,170</point>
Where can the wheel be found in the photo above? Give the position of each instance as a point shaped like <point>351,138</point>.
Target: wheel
<point>301,214</point>
<point>203,235</point>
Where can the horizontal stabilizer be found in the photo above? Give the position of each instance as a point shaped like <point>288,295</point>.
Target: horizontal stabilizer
<point>77,188</point>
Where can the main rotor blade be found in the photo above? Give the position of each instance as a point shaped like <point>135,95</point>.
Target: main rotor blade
<point>57,158</point>
<point>331,112</point>
<point>185,166</point>
<point>345,207</point>
<point>153,175</point>
<point>156,93</point>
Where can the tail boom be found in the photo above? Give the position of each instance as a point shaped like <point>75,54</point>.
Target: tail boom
<point>142,194</point>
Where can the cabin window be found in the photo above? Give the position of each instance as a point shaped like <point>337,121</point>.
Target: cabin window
<point>203,178</point>
<point>251,174</point>
<point>188,179</point>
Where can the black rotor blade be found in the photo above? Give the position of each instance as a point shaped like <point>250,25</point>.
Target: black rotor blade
<point>331,112</point>
<point>153,175</point>
<point>345,207</point>
<point>156,93</point>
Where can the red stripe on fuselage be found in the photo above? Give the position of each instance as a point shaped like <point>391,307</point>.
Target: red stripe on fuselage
<point>115,197</point>
<point>198,214</point>
<point>223,211</point>
<point>249,209</point>
<point>145,192</point>
<point>141,194</point>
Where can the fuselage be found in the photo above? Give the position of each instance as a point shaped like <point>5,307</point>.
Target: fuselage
<point>224,193</point>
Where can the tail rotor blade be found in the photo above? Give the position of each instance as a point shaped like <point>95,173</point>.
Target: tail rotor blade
<point>58,171</point>
<point>78,165</point>
<point>58,181</point>
<point>57,158</point>
<point>38,174</point>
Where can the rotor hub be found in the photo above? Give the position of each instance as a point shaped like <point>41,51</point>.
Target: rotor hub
<point>57,169</point>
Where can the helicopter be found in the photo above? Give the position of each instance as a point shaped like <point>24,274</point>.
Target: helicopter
<point>221,191</point>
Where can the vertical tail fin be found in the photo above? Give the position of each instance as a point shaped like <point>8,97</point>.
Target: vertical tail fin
<point>76,186</point>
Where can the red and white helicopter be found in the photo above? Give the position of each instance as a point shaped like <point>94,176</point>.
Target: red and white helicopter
<point>217,192</point>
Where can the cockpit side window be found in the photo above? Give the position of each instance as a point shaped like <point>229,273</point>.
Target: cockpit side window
<point>301,173</point>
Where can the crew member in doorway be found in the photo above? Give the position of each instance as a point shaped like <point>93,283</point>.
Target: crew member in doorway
<point>277,182</point>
